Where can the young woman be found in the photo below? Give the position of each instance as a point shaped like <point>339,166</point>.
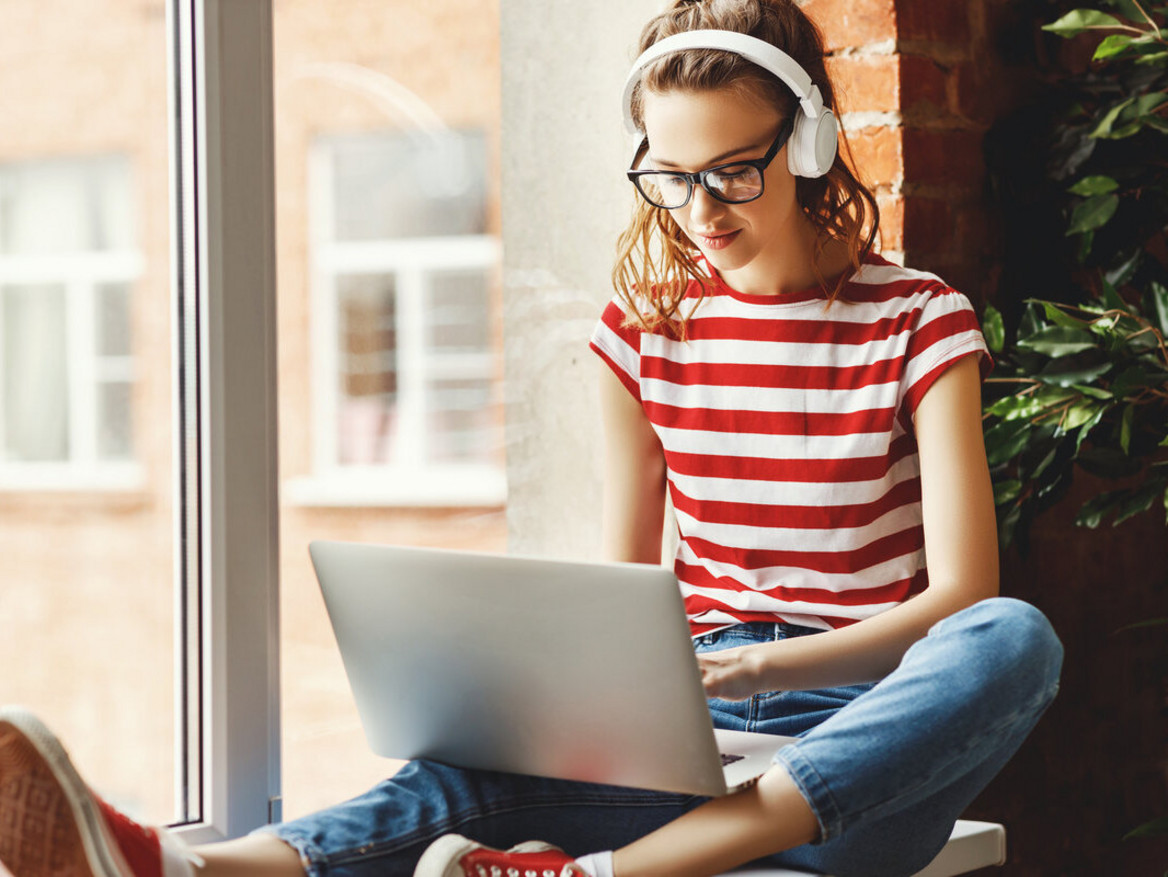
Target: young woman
<point>812,411</point>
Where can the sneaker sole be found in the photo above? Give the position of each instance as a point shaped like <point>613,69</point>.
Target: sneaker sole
<point>50,824</point>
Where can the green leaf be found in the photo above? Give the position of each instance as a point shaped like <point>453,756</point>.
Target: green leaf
<point>994,329</point>
<point>1135,378</point>
<point>1126,8</point>
<point>1159,294</point>
<point>1107,462</point>
<point>1139,500</point>
<point>1085,429</point>
<point>1093,213</point>
<point>1093,392</point>
<point>1070,371</point>
<point>1156,58</point>
<point>1086,242</point>
<point>1075,22</point>
<point>1103,129</point>
<point>1126,118</point>
<point>1006,491</point>
<point>1028,405</point>
<point>1060,317</point>
<point>1030,323</point>
<point>1094,510</point>
<point>1152,828</point>
<point>1123,272</point>
<point>1112,299</point>
<point>1111,46</point>
<point>1059,341</point>
<point>1008,524</point>
<point>1044,463</point>
<point>1006,440</point>
<point>1079,414</point>
<point>1137,625</point>
<point>1094,185</point>
<point>1125,427</point>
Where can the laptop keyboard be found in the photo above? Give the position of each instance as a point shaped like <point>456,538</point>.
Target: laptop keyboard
<point>727,758</point>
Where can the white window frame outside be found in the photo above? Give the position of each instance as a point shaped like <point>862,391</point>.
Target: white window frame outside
<point>223,257</point>
<point>80,275</point>
<point>411,481</point>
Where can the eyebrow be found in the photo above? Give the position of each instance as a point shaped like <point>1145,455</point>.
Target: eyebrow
<point>717,159</point>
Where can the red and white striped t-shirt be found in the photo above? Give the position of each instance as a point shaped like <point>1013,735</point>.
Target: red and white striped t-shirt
<point>787,431</point>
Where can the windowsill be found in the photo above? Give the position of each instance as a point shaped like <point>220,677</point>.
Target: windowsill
<point>60,478</point>
<point>438,487</point>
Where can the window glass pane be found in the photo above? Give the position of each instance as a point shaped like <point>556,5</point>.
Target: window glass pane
<point>413,184</point>
<point>36,389</point>
<point>114,441</point>
<point>366,422</point>
<point>461,421</point>
<point>113,319</point>
<point>458,312</point>
<point>65,205</point>
<point>86,517</point>
<point>387,128</point>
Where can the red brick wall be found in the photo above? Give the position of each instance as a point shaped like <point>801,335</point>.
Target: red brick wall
<point>919,82</point>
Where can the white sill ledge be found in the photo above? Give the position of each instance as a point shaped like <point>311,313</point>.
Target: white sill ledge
<point>113,478</point>
<point>446,487</point>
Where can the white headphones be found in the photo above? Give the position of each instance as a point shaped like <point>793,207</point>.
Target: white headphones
<point>814,140</point>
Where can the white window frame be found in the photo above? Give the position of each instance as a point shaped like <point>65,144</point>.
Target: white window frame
<point>223,253</point>
<point>80,275</point>
<point>410,481</point>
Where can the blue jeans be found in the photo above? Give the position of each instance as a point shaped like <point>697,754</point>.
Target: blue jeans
<point>886,768</point>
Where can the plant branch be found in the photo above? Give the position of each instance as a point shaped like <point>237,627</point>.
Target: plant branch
<point>1148,19</point>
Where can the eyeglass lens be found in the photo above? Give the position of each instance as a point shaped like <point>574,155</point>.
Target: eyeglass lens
<point>734,183</point>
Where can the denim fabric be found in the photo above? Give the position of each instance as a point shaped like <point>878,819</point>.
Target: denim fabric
<point>886,768</point>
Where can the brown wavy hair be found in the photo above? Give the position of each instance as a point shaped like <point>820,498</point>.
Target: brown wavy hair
<point>655,260</point>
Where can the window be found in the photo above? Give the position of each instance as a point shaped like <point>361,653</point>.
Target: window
<point>68,264</point>
<point>405,364</point>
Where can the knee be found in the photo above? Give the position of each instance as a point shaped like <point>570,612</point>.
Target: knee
<point>1016,641</point>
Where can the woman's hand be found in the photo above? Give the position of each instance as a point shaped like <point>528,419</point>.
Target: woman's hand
<point>732,674</point>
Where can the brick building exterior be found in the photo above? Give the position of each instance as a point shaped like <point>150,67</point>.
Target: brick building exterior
<point>87,597</point>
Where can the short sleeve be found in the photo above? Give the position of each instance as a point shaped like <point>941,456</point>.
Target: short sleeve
<point>945,331</point>
<point>619,345</point>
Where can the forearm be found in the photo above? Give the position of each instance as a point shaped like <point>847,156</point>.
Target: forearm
<point>862,652</point>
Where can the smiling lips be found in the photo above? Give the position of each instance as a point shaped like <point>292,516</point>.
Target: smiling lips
<point>718,241</point>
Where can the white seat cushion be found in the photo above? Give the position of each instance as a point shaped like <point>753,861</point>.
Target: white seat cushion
<point>972,845</point>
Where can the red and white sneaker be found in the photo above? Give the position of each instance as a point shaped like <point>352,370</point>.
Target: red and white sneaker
<point>452,855</point>
<point>53,825</point>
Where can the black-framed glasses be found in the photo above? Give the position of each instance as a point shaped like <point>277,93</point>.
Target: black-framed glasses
<point>733,183</point>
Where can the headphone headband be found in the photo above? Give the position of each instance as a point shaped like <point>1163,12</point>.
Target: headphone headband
<point>760,52</point>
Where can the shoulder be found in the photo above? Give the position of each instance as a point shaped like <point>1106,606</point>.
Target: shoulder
<point>882,281</point>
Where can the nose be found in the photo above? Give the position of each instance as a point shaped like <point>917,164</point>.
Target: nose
<point>704,207</point>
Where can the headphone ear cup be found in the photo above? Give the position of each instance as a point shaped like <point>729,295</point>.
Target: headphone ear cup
<point>813,144</point>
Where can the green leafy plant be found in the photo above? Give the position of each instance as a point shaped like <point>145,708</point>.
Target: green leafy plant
<point>1084,382</point>
<point>1082,379</point>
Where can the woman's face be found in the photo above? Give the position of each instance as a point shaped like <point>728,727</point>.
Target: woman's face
<point>694,130</point>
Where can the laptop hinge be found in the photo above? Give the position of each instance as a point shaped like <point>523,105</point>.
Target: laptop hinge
<point>275,810</point>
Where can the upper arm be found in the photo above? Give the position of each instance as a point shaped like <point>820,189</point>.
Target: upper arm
<point>634,477</point>
<point>956,494</point>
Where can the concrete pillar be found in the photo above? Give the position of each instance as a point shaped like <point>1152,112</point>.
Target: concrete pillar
<point>565,201</point>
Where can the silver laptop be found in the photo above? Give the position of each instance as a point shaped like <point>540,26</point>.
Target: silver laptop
<point>571,670</point>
